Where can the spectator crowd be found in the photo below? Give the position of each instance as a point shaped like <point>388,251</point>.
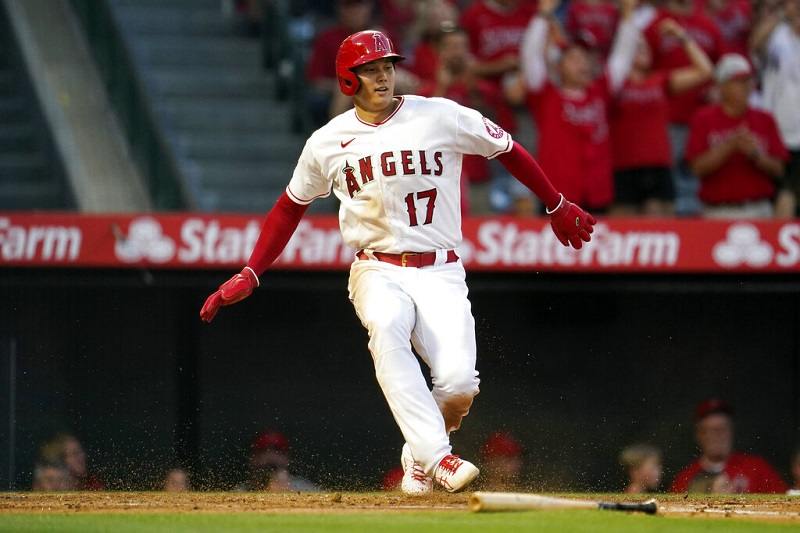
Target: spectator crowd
<point>633,107</point>
<point>719,468</point>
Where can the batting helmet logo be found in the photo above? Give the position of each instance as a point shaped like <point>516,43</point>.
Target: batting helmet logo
<point>359,49</point>
<point>381,42</point>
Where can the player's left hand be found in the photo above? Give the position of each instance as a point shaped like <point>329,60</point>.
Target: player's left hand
<point>234,290</point>
<point>571,224</point>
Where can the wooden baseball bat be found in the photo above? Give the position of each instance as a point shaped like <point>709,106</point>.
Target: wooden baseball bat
<point>510,501</point>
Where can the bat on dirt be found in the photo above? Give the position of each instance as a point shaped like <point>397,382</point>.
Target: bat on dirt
<point>510,501</point>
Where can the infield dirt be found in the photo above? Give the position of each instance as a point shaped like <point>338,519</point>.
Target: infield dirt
<point>760,507</point>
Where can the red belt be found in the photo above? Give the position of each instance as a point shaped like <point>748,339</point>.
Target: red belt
<point>409,259</point>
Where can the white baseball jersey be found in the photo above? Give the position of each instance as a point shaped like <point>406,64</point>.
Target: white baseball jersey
<point>398,181</point>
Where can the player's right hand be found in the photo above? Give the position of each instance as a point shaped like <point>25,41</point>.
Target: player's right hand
<point>571,224</point>
<point>234,290</point>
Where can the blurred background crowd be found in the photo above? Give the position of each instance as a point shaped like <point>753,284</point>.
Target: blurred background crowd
<point>651,107</point>
<point>719,467</point>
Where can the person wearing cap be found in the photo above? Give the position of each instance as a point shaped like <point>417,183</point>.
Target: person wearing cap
<point>643,466</point>
<point>268,468</point>
<point>502,462</point>
<point>736,150</point>
<point>719,468</point>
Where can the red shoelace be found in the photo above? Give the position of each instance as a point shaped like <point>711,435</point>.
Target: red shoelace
<point>450,464</point>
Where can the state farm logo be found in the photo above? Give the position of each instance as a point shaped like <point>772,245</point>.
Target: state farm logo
<point>742,246</point>
<point>145,240</point>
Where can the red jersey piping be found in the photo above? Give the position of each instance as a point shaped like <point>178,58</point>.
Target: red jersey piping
<point>384,121</point>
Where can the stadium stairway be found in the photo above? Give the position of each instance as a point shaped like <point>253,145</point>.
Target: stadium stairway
<point>31,174</point>
<point>214,102</point>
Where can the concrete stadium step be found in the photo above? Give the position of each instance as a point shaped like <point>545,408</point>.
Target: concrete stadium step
<point>30,174</point>
<point>13,109</point>
<point>185,4</point>
<point>243,203</point>
<point>26,196</point>
<point>207,83</point>
<point>9,85</point>
<point>198,52</point>
<point>213,101</point>
<point>240,176</point>
<point>170,20</point>
<point>264,148</point>
<point>23,166</point>
<point>17,137</point>
<point>258,206</point>
<point>223,115</point>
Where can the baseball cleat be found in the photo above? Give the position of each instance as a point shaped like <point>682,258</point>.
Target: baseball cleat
<point>454,474</point>
<point>415,481</point>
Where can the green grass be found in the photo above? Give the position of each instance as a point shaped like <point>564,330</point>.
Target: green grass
<point>383,522</point>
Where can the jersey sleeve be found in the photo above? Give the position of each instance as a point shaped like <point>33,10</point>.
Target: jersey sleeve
<point>476,134</point>
<point>308,182</point>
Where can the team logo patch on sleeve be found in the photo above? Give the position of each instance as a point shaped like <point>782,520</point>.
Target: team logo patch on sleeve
<point>493,129</point>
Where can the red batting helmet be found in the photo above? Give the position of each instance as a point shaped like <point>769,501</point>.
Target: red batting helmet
<point>358,49</point>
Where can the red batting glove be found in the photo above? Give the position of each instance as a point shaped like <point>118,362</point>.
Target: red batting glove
<point>571,224</point>
<point>234,290</point>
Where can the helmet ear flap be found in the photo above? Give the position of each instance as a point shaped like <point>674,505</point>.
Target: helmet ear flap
<point>349,83</point>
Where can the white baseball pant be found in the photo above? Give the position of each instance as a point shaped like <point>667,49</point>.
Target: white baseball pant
<point>426,307</point>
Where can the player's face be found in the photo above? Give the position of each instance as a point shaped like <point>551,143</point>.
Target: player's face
<point>377,85</point>
<point>715,436</point>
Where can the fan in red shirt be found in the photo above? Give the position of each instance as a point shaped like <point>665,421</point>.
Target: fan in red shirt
<point>432,16</point>
<point>352,16</point>
<point>572,117</point>
<point>397,17</point>
<point>455,79</point>
<point>734,18</point>
<point>593,20</point>
<point>719,468</point>
<point>669,53</point>
<point>735,149</point>
<point>495,29</point>
<point>639,120</point>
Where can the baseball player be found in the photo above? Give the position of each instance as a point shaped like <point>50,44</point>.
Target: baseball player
<point>394,163</point>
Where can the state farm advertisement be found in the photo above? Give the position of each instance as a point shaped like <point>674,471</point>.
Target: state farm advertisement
<point>199,241</point>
